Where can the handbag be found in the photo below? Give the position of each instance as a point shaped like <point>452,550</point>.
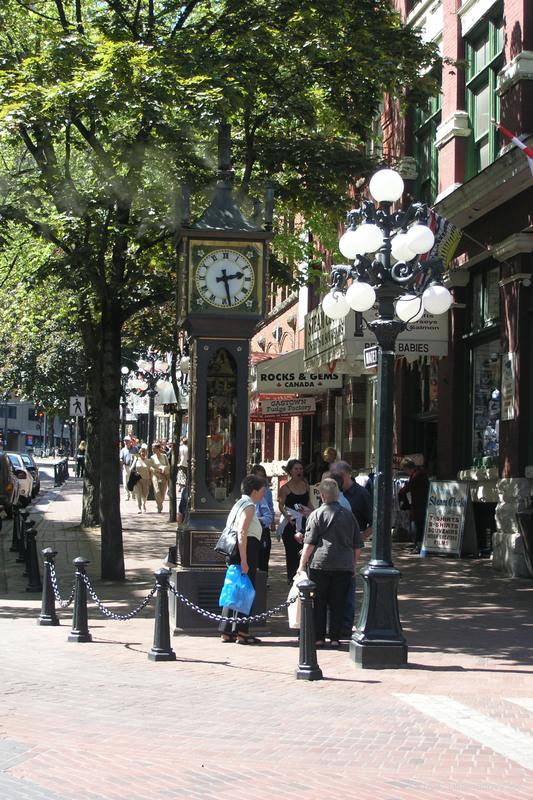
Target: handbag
<point>237,592</point>
<point>294,611</point>
<point>133,479</point>
<point>227,544</point>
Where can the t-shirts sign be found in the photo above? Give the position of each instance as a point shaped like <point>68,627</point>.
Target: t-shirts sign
<point>449,528</point>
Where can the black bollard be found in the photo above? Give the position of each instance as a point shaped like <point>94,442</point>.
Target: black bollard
<point>16,531</point>
<point>308,669</point>
<point>48,614</point>
<point>80,627</point>
<point>22,558</point>
<point>161,649</point>
<point>34,575</point>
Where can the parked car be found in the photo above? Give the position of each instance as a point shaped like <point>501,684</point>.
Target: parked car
<point>33,469</point>
<point>24,477</point>
<point>9,486</point>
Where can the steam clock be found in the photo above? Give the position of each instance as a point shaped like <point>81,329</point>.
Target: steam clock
<point>223,267</point>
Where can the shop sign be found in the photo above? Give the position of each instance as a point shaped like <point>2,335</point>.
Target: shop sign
<point>290,406</point>
<point>449,528</point>
<point>286,374</point>
<point>345,341</point>
<point>508,397</point>
<point>140,405</point>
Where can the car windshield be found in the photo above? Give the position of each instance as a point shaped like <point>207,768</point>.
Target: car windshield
<point>27,460</point>
<point>15,460</point>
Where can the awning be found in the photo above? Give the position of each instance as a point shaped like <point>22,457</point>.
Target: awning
<point>286,374</point>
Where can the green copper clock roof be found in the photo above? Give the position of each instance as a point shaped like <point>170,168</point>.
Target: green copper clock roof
<point>223,213</point>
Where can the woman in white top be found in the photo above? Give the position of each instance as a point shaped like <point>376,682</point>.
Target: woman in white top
<point>143,466</point>
<point>160,474</point>
<point>249,533</point>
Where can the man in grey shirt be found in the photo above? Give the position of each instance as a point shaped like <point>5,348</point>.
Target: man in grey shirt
<point>332,544</point>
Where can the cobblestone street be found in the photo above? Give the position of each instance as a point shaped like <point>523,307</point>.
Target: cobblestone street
<point>99,720</point>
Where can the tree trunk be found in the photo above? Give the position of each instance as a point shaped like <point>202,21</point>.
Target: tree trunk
<point>90,517</point>
<point>110,521</point>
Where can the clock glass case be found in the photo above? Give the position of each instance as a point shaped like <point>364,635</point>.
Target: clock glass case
<point>224,277</point>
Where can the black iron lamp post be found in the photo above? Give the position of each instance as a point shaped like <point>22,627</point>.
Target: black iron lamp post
<point>401,287</point>
<point>150,371</point>
<point>124,382</point>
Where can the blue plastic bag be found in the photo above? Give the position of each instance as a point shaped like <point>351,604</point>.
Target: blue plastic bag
<point>237,592</point>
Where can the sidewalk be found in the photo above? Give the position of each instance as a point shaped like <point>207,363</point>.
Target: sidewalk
<point>99,721</point>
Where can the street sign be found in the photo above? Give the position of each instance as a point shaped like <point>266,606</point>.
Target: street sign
<point>370,356</point>
<point>77,406</point>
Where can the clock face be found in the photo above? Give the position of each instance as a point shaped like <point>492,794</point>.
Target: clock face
<point>225,278</point>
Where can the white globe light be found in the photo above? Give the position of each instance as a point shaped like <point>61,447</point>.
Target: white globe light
<point>335,305</point>
<point>409,308</point>
<point>371,237</point>
<point>386,186</point>
<point>400,249</point>
<point>349,244</point>
<point>185,364</point>
<point>360,296</point>
<point>146,366</point>
<point>437,299</point>
<point>420,238</point>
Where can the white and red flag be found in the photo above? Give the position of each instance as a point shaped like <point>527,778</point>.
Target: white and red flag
<point>518,142</point>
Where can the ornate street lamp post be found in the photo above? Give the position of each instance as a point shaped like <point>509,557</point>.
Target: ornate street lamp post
<point>150,371</point>
<point>401,286</point>
<point>124,382</point>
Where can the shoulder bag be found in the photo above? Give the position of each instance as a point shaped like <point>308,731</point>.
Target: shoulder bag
<point>133,478</point>
<point>227,544</point>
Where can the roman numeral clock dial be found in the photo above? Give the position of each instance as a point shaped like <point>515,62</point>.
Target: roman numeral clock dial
<point>225,278</point>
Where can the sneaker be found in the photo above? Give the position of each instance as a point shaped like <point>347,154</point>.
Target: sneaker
<point>139,511</point>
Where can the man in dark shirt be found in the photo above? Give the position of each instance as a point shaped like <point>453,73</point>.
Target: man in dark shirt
<point>357,496</point>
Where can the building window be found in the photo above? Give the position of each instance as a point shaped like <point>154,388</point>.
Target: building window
<point>485,299</point>
<point>487,401</point>
<point>9,412</point>
<point>427,120</point>
<point>484,56</point>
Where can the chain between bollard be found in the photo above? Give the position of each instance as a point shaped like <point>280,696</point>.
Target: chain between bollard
<point>53,578</point>
<point>219,618</point>
<point>111,614</point>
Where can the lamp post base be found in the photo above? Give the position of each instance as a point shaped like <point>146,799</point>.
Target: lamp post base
<point>378,655</point>
<point>379,642</point>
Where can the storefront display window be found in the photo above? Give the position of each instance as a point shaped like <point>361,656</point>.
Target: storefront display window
<point>486,401</point>
<point>221,424</point>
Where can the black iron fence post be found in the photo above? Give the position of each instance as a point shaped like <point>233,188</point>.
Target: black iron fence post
<point>161,649</point>
<point>48,614</point>
<point>80,626</point>
<point>21,559</point>
<point>308,669</point>
<point>34,575</point>
<point>16,531</point>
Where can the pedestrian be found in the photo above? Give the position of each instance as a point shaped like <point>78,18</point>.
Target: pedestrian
<point>265,515</point>
<point>357,496</point>
<point>143,467</point>
<point>80,459</point>
<point>361,505</point>
<point>126,458</point>
<point>160,474</point>
<point>332,545</point>
<point>293,495</point>
<point>183,461</point>
<point>414,493</point>
<point>248,538</point>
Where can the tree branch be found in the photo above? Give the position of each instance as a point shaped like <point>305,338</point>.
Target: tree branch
<point>40,228</point>
<point>62,16</point>
<point>182,19</point>
<point>90,138</point>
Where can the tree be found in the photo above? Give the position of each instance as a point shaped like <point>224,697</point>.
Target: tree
<point>108,104</point>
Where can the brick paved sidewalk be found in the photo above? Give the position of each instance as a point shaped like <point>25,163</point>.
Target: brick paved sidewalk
<point>99,721</point>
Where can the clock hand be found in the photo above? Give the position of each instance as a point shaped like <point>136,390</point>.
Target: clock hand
<point>225,279</point>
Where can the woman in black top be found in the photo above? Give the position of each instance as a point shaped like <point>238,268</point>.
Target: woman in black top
<point>294,494</point>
